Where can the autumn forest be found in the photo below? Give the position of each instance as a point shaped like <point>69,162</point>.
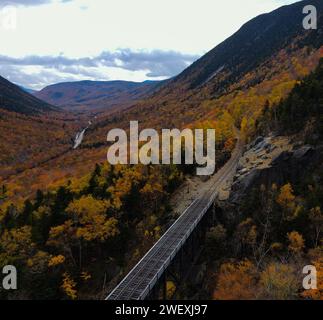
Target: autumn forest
<point>74,225</point>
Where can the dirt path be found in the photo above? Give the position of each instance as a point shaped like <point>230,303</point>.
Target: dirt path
<point>195,186</point>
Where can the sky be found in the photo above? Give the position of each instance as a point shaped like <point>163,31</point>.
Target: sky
<point>50,41</point>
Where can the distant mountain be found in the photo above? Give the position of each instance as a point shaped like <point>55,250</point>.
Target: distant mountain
<point>96,94</point>
<point>13,98</point>
<point>31,91</point>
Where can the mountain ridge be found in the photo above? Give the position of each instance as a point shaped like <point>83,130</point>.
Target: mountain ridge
<point>14,98</point>
<point>96,94</point>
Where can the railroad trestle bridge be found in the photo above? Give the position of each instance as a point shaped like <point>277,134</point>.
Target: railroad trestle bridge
<point>177,250</point>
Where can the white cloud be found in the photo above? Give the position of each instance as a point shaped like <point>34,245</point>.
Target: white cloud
<point>121,64</point>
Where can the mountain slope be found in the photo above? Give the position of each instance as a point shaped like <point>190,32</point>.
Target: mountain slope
<point>271,49</point>
<point>255,41</point>
<point>277,197</point>
<point>13,98</point>
<point>32,131</point>
<point>96,93</point>
<point>301,111</point>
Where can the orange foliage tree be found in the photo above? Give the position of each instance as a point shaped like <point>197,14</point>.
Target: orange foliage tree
<point>236,281</point>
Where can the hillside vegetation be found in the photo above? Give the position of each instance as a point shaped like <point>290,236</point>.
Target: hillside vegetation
<point>260,252</point>
<point>75,225</point>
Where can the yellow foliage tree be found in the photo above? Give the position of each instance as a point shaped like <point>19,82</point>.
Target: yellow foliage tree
<point>296,242</point>
<point>56,260</point>
<point>85,276</point>
<point>68,286</point>
<point>244,127</point>
<point>90,218</point>
<point>286,199</point>
<point>286,196</point>
<point>16,244</point>
<point>279,282</point>
<point>63,237</point>
<point>170,289</point>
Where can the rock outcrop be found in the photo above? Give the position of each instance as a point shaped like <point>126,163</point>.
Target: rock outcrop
<point>269,160</point>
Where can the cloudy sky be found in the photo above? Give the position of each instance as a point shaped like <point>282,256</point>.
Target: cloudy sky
<point>50,41</point>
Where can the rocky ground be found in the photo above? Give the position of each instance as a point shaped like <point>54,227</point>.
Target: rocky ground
<point>261,153</point>
<point>193,188</point>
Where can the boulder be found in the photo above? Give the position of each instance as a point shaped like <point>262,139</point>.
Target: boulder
<point>302,152</point>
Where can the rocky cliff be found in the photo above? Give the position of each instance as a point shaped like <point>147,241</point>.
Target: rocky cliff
<point>273,159</point>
